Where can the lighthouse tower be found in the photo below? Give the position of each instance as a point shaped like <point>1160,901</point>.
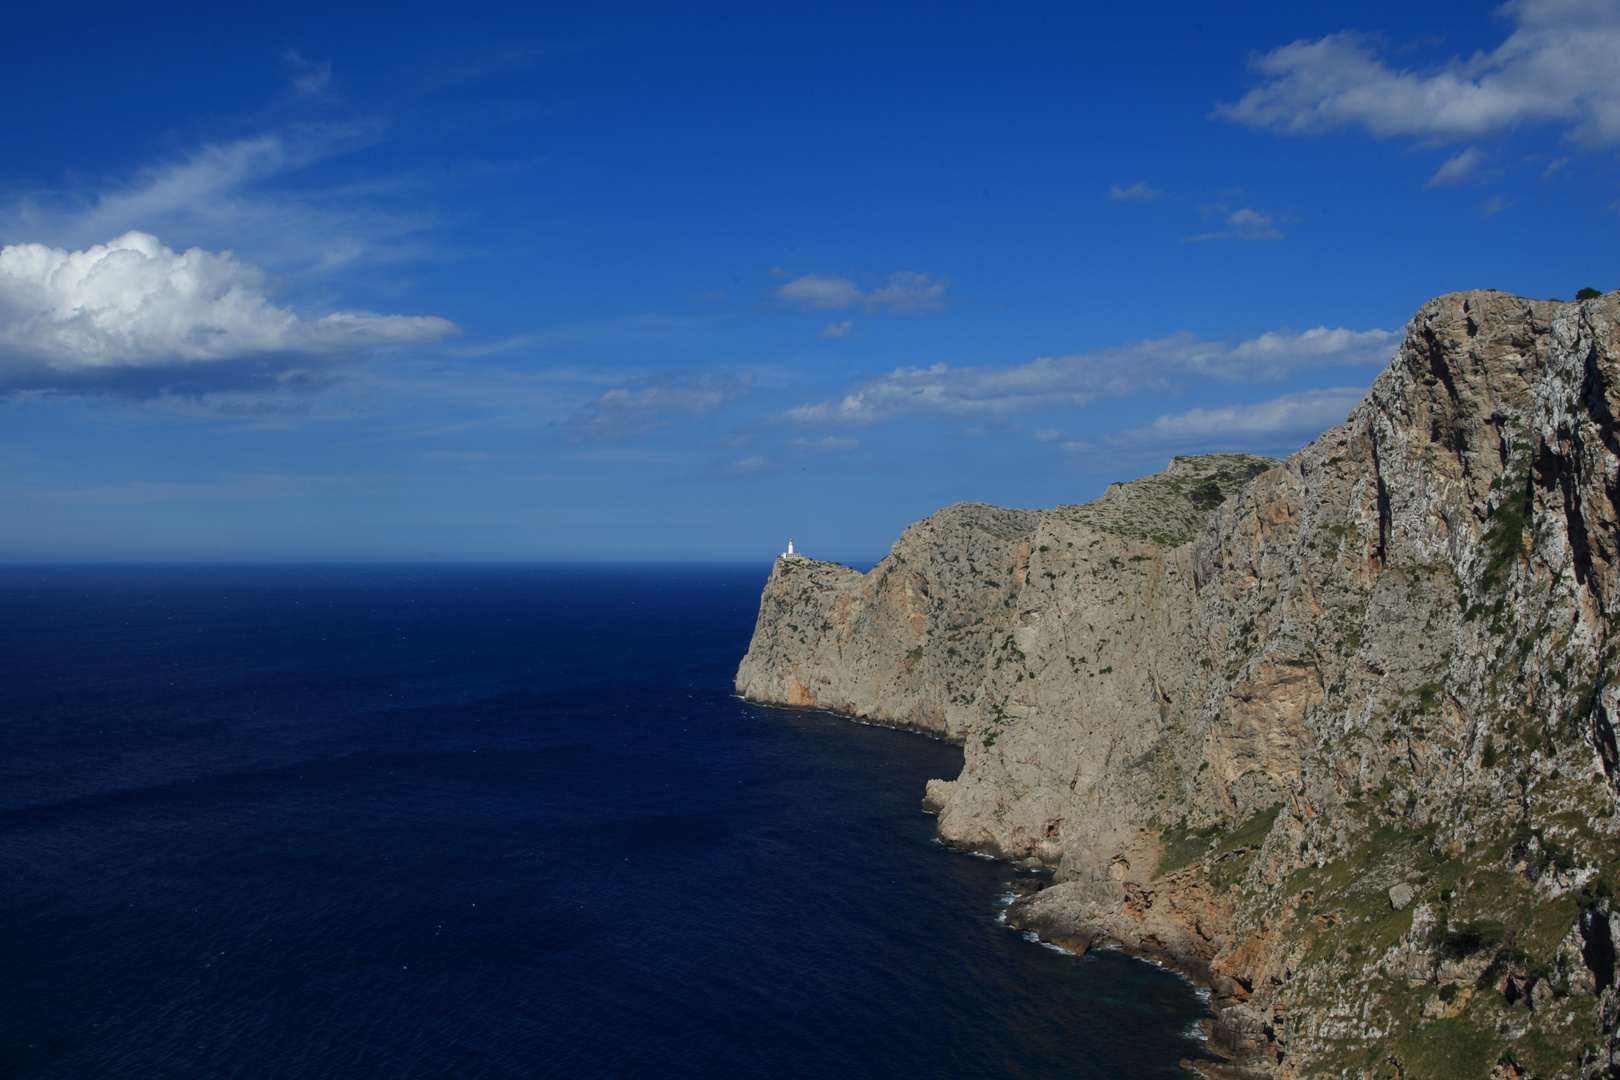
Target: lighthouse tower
<point>790,553</point>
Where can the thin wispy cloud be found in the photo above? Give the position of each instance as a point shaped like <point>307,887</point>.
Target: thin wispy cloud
<point>640,407</point>
<point>907,292</point>
<point>1556,67</point>
<point>1137,192</point>
<point>833,331</point>
<point>590,334</point>
<point>239,193</point>
<point>1457,169</point>
<point>1244,223</point>
<point>306,79</point>
<point>831,444</point>
<point>1299,414</point>
<point>240,487</point>
<point>454,67</point>
<point>75,319</point>
<point>1157,365</point>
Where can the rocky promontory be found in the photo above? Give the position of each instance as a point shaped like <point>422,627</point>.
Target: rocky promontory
<point>1332,734</point>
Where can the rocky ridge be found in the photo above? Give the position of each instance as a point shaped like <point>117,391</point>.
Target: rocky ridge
<point>1333,734</point>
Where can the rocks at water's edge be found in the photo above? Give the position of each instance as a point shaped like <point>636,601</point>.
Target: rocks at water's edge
<point>1334,735</point>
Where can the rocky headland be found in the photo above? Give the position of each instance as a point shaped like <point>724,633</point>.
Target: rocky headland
<point>1333,735</point>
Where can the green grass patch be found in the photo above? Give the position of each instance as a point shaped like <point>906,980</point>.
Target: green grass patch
<point>1504,536</point>
<point>1454,1049</point>
<point>1183,847</point>
<point>1252,832</point>
<point>1553,1047</point>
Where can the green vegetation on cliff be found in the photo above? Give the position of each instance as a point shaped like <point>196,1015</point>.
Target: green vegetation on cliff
<point>1332,734</point>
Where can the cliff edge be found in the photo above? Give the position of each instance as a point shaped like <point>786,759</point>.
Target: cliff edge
<point>1334,734</point>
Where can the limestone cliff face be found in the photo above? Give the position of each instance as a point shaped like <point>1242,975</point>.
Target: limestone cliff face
<point>1333,734</point>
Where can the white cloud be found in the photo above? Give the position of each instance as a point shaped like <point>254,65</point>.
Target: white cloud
<point>831,444</point>
<point>1160,364</point>
<point>815,292</point>
<point>752,463</point>
<point>132,303</point>
<point>1137,192</point>
<point>1307,411</point>
<point>1048,435</point>
<point>639,408</point>
<point>1244,223</point>
<point>622,329</point>
<point>306,79</point>
<point>1557,66</point>
<point>1457,169</point>
<point>910,293</point>
<point>240,190</point>
<point>907,292</point>
<point>1249,219</point>
<point>839,329</point>
<point>1276,354</point>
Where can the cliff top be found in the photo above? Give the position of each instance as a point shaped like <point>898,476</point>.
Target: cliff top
<point>1168,507</point>
<point>1171,506</point>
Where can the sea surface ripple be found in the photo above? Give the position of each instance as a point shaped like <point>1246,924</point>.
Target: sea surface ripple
<point>490,822</point>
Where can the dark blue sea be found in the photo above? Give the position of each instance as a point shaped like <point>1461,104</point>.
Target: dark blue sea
<point>486,823</point>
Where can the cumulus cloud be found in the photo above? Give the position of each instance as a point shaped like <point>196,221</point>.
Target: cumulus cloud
<point>1309,411</point>
<point>637,409</point>
<point>131,304</point>
<point>1557,66</point>
<point>1137,192</point>
<point>1159,364</point>
<point>907,292</point>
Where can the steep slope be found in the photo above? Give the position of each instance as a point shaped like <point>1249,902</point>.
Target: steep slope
<point>1340,745</point>
<point>922,640</point>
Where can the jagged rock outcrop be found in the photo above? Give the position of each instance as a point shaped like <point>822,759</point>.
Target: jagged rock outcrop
<point>1333,734</point>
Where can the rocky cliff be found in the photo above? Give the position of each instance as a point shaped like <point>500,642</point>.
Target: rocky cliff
<point>1332,734</point>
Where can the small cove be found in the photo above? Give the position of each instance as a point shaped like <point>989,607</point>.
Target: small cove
<point>491,822</point>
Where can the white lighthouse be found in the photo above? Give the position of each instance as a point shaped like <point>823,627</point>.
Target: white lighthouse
<point>790,553</point>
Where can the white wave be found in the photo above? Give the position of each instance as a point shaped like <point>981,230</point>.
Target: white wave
<point>1030,935</point>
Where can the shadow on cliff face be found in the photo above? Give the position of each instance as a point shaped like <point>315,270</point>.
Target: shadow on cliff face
<point>1397,643</point>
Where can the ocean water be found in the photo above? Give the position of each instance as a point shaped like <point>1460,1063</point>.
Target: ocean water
<point>485,823</point>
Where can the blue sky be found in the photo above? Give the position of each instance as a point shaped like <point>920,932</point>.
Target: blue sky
<point>608,281</point>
